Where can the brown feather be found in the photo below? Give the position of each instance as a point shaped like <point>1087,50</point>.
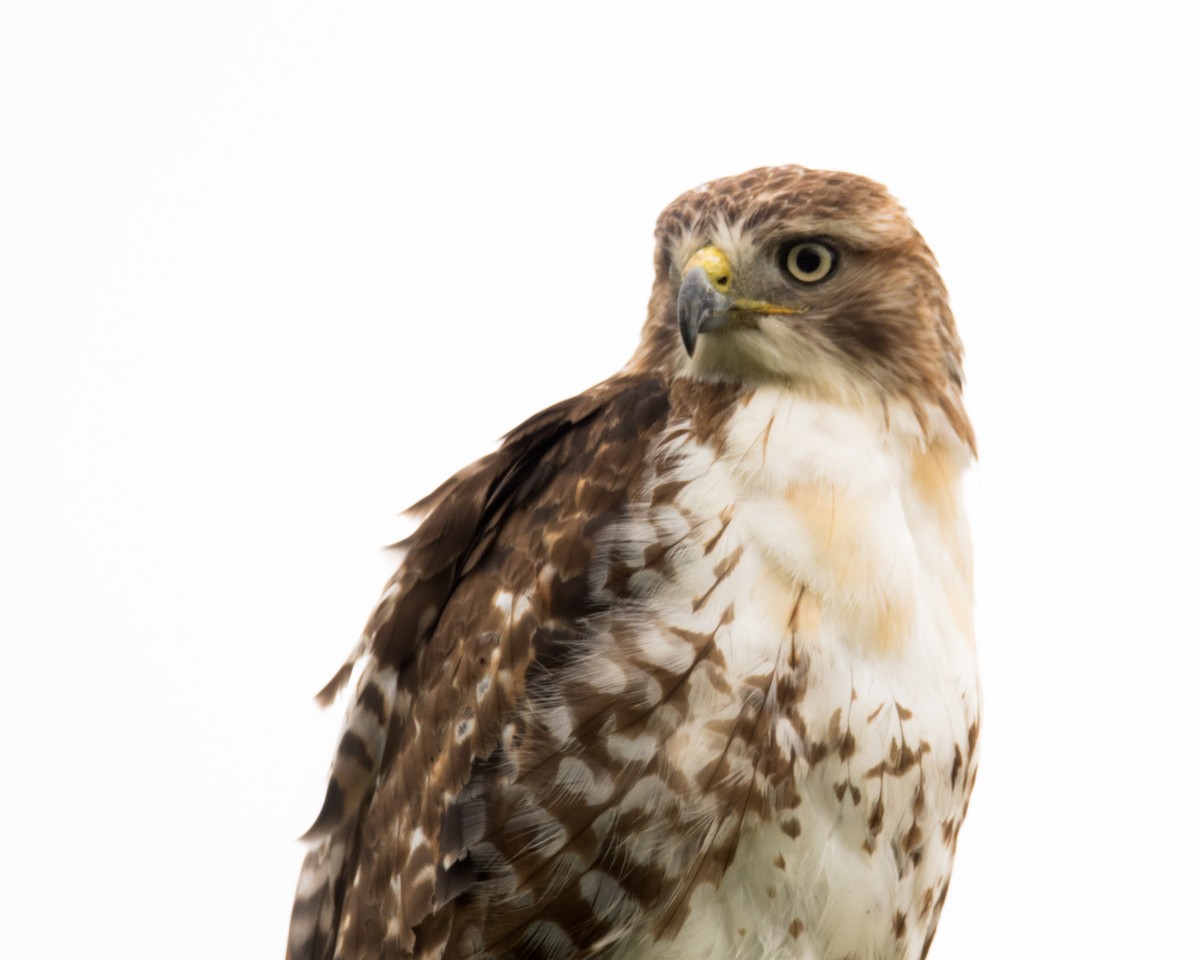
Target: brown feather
<point>443,597</point>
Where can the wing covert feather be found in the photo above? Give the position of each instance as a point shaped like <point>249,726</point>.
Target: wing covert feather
<point>494,584</point>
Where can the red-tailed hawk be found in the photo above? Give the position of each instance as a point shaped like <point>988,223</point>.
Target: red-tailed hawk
<point>685,669</point>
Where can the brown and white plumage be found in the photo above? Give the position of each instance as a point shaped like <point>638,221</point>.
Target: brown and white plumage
<point>685,668</point>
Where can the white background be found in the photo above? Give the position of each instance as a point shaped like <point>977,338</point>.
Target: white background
<point>270,271</point>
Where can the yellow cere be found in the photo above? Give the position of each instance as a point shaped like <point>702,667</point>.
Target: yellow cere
<point>714,263</point>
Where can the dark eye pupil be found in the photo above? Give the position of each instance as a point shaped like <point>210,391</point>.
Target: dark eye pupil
<point>808,261</point>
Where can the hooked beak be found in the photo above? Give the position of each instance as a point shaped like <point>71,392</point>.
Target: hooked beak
<point>704,302</point>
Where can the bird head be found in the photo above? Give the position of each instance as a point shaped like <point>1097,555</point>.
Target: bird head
<point>809,279</point>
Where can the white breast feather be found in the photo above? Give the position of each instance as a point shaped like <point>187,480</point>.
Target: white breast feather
<point>857,512</point>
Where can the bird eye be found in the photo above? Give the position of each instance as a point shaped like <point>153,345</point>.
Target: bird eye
<point>809,261</point>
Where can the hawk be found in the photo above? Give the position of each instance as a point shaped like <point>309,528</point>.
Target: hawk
<point>685,669</point>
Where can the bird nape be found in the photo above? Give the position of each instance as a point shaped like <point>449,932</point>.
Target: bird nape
<point>685,669</point>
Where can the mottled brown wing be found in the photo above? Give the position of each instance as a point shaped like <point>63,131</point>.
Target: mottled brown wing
<point>488,603</point>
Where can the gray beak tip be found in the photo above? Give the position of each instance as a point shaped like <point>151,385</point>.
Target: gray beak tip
<point>700,308</point>
<point>687,333</point>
